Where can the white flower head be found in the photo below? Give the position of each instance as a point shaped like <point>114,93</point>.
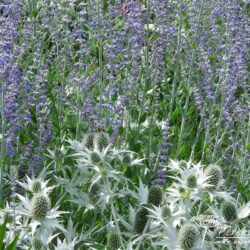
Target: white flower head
<point>39,211</point>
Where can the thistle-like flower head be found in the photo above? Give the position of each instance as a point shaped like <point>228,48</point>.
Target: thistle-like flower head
<point>191,181</point>
<point>40,206</point>
<point>95,157</point>
<point>229,211</point>
<point>155,195</point>
<point>165,212</point>
<point>89,141</point>
<point>36,243</point>
<point>36,186</point>
<point>113,241</point>
<point>187,236</point>
<point>214,174</point>
<point>141,219</point>
<point>102,140</point>
<point>188,174</point>
<point>40,212</point>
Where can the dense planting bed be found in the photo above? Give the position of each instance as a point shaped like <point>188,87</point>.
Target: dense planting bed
<point>124,124</point>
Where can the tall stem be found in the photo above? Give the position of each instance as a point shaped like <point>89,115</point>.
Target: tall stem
<point>197,137</point>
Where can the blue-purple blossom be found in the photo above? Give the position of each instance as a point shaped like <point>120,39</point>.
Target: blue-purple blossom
<point>163,154</point>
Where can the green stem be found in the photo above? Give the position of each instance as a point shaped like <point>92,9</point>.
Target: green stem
<point>197,137</point>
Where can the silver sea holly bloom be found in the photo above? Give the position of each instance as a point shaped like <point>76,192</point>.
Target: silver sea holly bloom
<point>186,238</point>
<point>38,208</point>
<point>38,185</point>
<point>39,211</point>
<point>231,213</point>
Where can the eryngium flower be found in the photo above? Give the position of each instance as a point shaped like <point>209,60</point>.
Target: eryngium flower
<point>155,196</point>
<point>36,243</point>
<point>215,175</point>
<point>36,186</point>
<point>187,236</point>
<point>229,211</point>
<point>141,219</point>
<point>113,241</point>
<point>40,206</point>
<point>95,158</point>
<point>165,212</point>
<point>191,181</point>
<point>102,141</point>
<point>89,141</point>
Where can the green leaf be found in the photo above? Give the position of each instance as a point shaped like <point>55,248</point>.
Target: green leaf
<point>2,231</point>
<point>34,13</point>
<point>12,245</point>
<point>218,21</point>
<point>191,111</point>
<point>121,130</point>
<point>176,113</point>
<point>137,147</point>
<point>143,118</point>
<point>183,150</point>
